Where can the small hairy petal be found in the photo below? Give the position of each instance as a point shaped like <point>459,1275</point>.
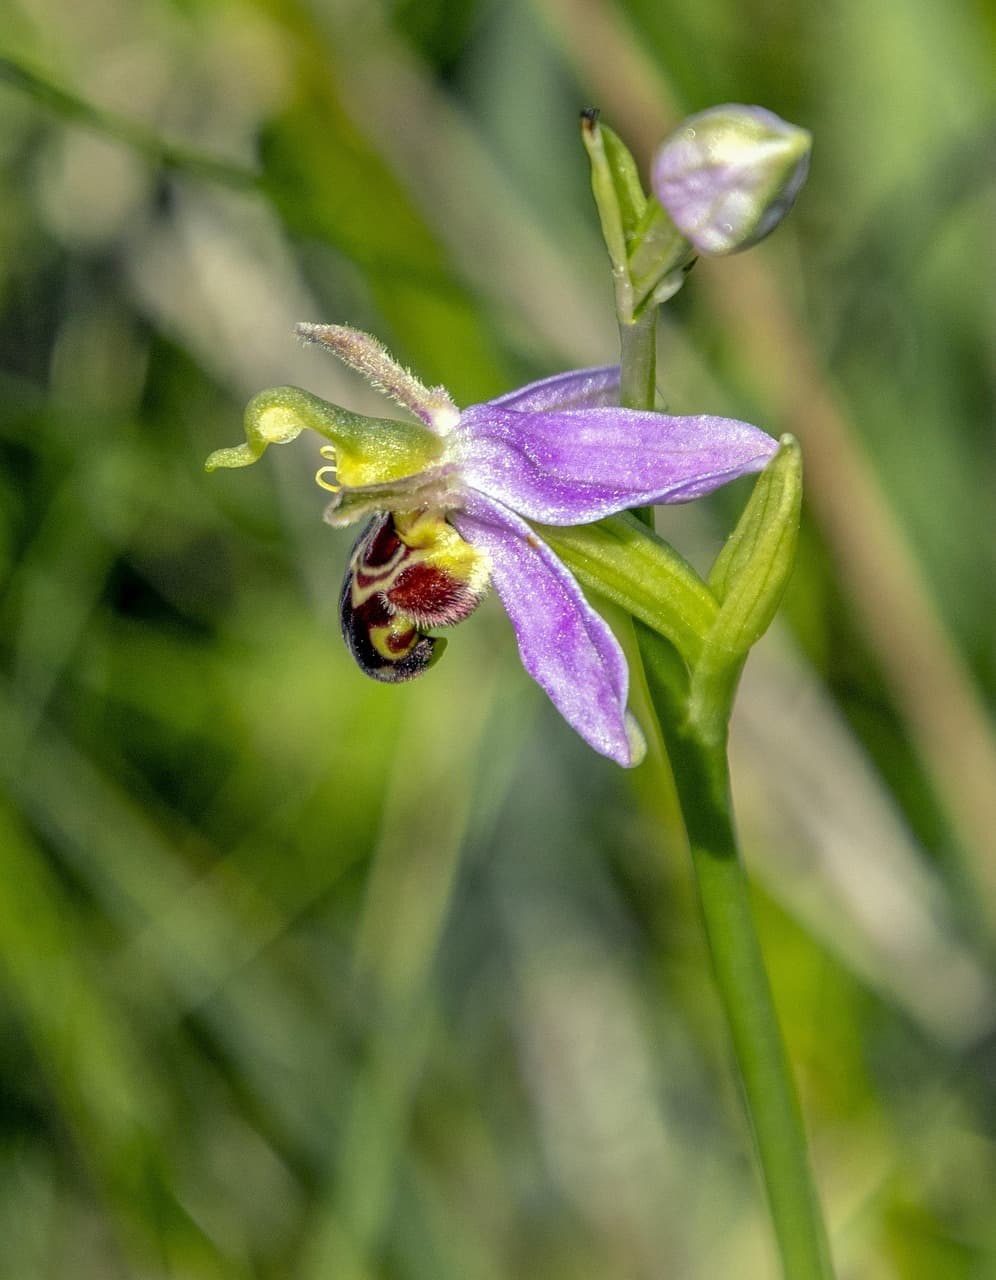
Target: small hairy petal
<point>369,357</point>
<point>579,389</point>
<point>565,646</point>
<point>577,465</point>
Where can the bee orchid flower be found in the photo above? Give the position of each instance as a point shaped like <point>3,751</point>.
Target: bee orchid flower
<point>446,502</point>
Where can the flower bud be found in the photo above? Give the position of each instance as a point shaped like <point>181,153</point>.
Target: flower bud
<point>728,175</point>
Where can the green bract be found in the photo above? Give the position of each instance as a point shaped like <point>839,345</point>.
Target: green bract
<point>649,254</point>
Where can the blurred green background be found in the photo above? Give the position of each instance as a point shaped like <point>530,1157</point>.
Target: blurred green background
<point>303,976</point>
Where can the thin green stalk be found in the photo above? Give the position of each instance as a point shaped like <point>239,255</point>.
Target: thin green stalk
<point>638,361</point>
<point>695,732</point>
<point>638,374</point>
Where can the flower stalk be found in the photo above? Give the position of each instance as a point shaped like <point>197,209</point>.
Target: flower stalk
<point>692,696</point>
<point>638,363</point>
<point>696,742</point>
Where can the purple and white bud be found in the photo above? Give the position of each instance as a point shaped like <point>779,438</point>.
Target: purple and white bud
<point>728,176</point>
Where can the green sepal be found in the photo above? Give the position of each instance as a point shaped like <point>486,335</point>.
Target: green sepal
<point>621,558</point>
<point>616,185</point>
<point>368,451</point>
<point>626,181</point>
<point>619,198</point>
<point>659,257</point>
<point>649,255</point>
<point>751,572</point>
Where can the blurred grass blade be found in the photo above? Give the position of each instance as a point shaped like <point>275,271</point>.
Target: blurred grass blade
<point>70,106</point>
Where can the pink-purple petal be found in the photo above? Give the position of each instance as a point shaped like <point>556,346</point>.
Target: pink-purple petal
<point>578,389</point>
<point>565,646</point>
<point>577,465</point>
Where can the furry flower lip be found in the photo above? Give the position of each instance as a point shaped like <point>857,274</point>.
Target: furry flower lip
<point>446,501</point>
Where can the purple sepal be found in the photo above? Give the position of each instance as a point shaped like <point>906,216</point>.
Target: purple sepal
<point>578,389</point>
<point>577,465</point>
<point>565,646</point>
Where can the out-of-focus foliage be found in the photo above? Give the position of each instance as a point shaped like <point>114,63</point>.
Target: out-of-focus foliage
<point>304,976</point>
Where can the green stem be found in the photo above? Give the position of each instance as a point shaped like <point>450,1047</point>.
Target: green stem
<point>638,374</point>
<point>694,724</point>
<point>695,733</point>
<point>638,361</point>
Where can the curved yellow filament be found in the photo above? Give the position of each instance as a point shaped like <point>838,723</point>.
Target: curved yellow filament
<point>327,451</point>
